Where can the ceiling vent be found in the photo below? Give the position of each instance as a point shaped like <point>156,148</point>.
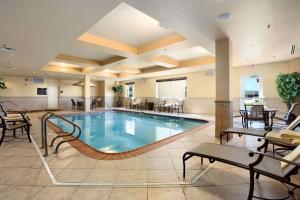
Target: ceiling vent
<point>37,80</point>
<point>293,49</point>
<point>7,50</point>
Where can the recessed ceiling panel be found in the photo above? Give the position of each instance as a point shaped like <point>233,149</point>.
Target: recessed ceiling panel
<point>130,26</point>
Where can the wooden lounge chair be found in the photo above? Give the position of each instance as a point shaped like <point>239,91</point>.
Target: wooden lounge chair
<point>257,163</point>
<point>142,105</point>
<point>6,126</point>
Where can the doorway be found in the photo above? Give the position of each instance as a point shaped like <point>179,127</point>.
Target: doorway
<point>251,90</point>
<point>52,97</point>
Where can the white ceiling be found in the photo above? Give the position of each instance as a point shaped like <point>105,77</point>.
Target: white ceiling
<point>85,50</point>
<point>130,26</point>
<point>40,30</point>
<point>190,53</point>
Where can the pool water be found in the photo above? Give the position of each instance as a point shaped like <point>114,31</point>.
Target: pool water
<point>118,131</point>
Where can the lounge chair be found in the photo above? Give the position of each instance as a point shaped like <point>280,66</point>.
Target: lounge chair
<point>291,115</point>
<point>6,126</point>
<point>166,107</point>
<point>128,103</point>
<point>271,137</point>
<point>255,162</point>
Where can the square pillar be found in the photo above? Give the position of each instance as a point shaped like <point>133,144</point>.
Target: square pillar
<point>224,110</point>
<point>87,93</point>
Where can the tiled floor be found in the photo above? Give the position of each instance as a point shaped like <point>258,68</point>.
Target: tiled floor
<point>22,175</point>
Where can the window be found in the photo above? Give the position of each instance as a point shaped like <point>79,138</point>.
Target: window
<point>130,90</point>
<point>171,88</point>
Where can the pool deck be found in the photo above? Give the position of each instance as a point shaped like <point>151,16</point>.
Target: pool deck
<point>23,175</point>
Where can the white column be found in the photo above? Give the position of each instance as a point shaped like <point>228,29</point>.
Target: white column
<point>87,93</point>
<point>223,102</point>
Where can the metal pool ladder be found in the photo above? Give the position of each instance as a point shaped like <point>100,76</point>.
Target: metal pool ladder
<point>44,133</point>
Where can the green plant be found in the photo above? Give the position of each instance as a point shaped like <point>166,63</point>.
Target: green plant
<point>288,87</point>
<point>118,89</point>
<point>2,84</point>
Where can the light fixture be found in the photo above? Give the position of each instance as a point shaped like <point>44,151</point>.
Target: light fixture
<point>223,16</point>
<point>8,50</point>
<point>81,83</point>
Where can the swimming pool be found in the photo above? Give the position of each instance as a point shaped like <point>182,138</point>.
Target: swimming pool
<point>120,131</point>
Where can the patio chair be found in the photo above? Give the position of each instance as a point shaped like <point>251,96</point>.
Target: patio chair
<point>158,105</point>
<point>135,103</point>
<point>74,104</point>
<point>6,126</point>
<point>93,104</point>
<point>292,114</point>
<point>254,113</point>
<point>177,107</point>
<point>166,107</point>
<point>142,105</point>
<point>257,163</point>
<point>128,103</point>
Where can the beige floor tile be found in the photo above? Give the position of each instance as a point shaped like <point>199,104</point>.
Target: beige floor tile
<point>21,161</point>
<point>2,187</point>
<point>234,192</point>
<point>159,163</point>
<point>134,163</point>
<point>60,162</point>
<point>225,176</point>
<point>92,194</point>
<point>82,162</point>
<point>61,193</point>
<point>176,145</point>
<point>272,190</point>
<point>177,153</point>
<point>165,194</point>
<point>191,175</point>
<point>108,164</point>
<point>132,176</point>
<point>73,175</point>
<point>102,176</point>
<point>206,192</point>
<point>162,176</point>
<point>37,177</point>
<point>11,176</point>
<point>129,194</point>
<point>192,163</point>
<point>19,192</point>
<point>161,152</point>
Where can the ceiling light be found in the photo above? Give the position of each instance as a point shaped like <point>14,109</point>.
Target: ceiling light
<point>223,16</point>
<point>8,50</point>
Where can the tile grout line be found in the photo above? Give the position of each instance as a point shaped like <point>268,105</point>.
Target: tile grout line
<point>147,184</point>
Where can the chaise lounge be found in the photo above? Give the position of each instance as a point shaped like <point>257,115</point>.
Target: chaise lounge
<point>255,162</point>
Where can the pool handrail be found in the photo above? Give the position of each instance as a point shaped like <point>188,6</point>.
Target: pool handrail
<point>44,134</point>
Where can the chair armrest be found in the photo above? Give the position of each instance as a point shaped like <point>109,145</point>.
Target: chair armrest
<point>261,154</point>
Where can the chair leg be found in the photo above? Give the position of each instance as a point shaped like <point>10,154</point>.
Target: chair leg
<point>2,137</point>
<point>251,187</point>
<point>28,133</point>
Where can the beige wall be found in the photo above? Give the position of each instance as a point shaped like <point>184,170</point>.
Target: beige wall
<point>199,85</point>
<point>268,72</point>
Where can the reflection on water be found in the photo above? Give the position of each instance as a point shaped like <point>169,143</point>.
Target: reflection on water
<point>113,131</point>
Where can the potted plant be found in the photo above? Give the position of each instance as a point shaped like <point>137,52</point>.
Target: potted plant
<point>288,87</point>
<point>118,89</point>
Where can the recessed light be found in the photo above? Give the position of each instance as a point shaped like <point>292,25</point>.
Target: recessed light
<point>223,16</point>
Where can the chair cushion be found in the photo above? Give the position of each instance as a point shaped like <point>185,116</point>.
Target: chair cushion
<point>294,155</point>
<point>276,136</point>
